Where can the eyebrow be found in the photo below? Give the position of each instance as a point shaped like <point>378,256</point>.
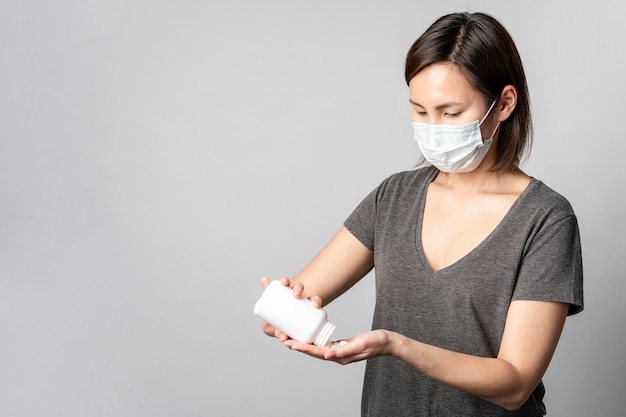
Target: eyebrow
<point>440,106</point>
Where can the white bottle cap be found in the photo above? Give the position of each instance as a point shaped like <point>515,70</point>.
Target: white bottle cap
<point>324,333</point>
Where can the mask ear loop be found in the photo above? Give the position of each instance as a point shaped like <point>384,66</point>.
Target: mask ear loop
<point>488,111</point>
<point>494,132</point>
<point>483,119</point>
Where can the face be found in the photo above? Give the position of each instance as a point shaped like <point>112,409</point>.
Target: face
<point>440,94</point>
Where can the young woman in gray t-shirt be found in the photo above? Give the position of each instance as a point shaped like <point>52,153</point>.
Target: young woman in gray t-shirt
<point>477,264</point>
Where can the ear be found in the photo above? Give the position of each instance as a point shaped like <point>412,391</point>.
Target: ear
<point>507,102</point>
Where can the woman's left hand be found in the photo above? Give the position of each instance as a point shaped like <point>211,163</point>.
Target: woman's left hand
<point>364,346</point>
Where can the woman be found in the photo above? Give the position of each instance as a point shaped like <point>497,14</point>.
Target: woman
<point>477,264</point>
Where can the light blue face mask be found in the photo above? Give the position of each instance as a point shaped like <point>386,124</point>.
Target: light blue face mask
<point>453,148</point>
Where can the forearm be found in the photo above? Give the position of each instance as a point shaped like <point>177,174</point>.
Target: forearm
<point>338,266</point>
<point>492,379</point>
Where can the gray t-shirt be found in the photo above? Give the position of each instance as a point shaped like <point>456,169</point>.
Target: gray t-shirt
<point>533,254</point>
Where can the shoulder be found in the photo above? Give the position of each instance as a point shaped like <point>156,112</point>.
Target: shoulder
<point>406,180</point>
<point>397,189</point>
<point>544,205</point>
<point>540,197</point>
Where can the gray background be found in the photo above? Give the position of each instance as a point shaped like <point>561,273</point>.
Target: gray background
<point>158,158</point>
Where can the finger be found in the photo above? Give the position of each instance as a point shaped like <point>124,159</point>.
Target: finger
<point>316,301</point>
<point>298,289</point>
<point>285,281</point>
<point>340,356</point>
<point>309,349</point>
<point>338,349</point>
<point>331,354</point>
<point>265,281</point>
<point>268,329</point>
<point>289,343</point>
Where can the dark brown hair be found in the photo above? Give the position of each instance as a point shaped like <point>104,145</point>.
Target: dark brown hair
<point>485,53</point>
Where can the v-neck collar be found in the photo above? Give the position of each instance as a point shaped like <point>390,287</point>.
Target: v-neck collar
<point>474,251</point>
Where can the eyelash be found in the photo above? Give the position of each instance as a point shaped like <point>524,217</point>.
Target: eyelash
<point>452,115</point>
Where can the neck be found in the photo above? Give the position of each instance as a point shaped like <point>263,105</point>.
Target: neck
<point>480,180</point>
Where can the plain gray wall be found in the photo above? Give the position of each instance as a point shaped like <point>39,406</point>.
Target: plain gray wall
<point>158,158</point>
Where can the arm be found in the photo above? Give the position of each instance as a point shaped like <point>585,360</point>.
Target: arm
<point>531,334</point>
<point>338,266</point>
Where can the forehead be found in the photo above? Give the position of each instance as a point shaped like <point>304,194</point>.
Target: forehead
<point>441,82</point>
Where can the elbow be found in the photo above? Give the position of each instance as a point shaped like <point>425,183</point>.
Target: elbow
<point>514,400</point>
<point>512,404</point>
<point>514,393</point>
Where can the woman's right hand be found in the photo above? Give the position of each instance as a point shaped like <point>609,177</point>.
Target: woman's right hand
<point>298,292</point>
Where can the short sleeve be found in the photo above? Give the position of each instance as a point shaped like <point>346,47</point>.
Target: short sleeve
<point>551,269</point>
<point>362,221</point>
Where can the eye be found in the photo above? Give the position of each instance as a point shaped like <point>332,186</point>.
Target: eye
<point>420,112</point>
<point>452,115</point>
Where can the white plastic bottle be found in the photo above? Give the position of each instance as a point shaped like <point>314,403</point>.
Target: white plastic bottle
<point>294,316</point>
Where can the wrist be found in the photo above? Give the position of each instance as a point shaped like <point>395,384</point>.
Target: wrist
<point>394,343</point>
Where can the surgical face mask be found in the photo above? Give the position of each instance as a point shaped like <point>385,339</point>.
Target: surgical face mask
<point>453,148</point>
